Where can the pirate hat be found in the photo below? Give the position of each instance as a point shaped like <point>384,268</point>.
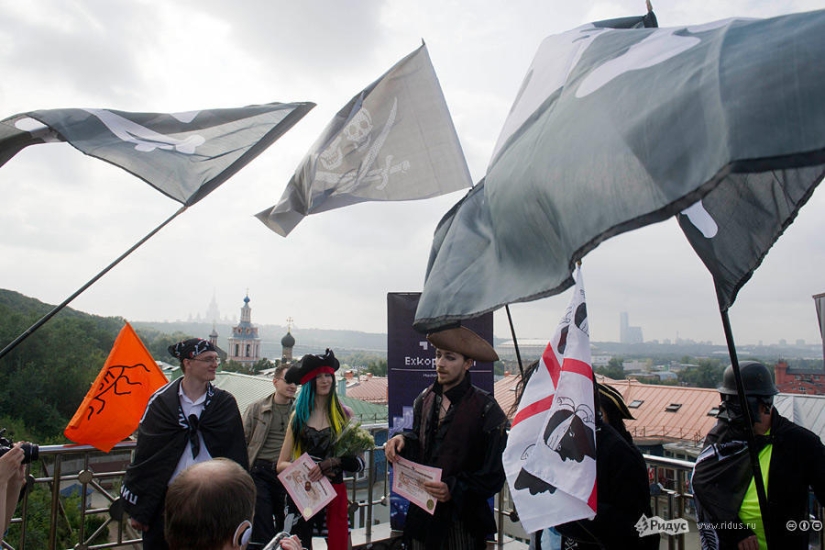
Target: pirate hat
<point>611,399</point>
<point>311,366</point>
<point>464,341</point>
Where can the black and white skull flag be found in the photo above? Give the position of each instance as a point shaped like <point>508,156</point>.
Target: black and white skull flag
<point>185,156</point>
<point>393,141</point>
<point>614,129</point>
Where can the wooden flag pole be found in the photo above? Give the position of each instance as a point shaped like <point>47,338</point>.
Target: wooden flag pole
<point>752,451</point>
<point>79,291</point>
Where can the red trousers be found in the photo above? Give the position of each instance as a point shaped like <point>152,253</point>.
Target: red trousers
<point>338,519</point>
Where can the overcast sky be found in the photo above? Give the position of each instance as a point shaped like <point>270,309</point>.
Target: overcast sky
<point>66,216</point>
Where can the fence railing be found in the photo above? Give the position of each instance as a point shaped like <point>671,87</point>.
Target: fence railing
<point>73,503</point>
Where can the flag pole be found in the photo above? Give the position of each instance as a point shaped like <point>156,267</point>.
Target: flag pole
<point>752,451</point>
<point>515,342</point>
<point>79,291</point>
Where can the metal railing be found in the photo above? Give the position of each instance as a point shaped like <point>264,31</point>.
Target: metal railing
<point>95,520</point>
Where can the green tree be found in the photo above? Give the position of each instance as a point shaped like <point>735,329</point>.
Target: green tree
<point>158,342</point>
<point>262,364</point>
<point>377,367</point>
<point>44,379</point>
<point>614,369</point>
<point>38,518</point>
<point>707,374</point>
<point>234,366</point>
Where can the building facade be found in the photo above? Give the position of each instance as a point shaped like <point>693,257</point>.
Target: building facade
<point>245,344</point>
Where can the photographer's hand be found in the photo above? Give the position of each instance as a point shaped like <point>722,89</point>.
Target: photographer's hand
<point>11,464</point>
<point>12,477</point>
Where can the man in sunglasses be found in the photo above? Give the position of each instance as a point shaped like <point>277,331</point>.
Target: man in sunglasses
<point>265,423</point>
<point>186,422</point>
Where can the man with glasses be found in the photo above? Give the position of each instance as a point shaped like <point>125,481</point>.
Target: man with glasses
<point>265,423</point>
<point>186,422</point>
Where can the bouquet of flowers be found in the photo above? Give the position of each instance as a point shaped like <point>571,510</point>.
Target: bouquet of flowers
<point>352,440</point>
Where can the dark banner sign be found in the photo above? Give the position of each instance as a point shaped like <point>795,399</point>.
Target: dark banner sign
<point>411,368</point>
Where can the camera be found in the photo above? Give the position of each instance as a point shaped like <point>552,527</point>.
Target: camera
<point>31,451</point>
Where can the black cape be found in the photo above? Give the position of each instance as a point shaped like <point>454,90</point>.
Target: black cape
<point>162,437</point>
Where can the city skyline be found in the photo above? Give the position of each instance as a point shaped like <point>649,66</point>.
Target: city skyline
<point>68,216</point>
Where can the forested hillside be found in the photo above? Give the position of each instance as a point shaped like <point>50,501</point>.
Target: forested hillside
<point>44,379</point>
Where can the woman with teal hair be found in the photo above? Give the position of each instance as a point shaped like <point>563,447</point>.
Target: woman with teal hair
<point>318,420</point>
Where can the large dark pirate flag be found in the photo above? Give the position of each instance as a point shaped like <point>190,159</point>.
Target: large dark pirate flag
<point>614,129</point>
<point>393,141</point>
<point>185,156</point>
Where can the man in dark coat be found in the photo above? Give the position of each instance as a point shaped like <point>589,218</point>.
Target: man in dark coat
<point>791,458</point>
<point>186,422</point>
<point>623,498</point>
<point>461,429</point>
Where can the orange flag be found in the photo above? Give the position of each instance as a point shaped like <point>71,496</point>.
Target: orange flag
<point>112,409</point>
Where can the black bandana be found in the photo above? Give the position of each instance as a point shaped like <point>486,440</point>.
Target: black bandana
<point>190,348</point>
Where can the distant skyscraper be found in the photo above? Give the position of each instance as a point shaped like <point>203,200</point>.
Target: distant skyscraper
<point>213,314</point>
<point>627,333</point>
<point>623,326</point>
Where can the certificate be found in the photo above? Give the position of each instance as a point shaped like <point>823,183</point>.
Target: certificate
<point>310,497</point>
<point>408,481</point>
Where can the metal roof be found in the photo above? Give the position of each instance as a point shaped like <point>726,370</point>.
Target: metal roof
<point>805,410</point>
<point>372,389</point>
<point>664,413</point>
<point>678,413</point>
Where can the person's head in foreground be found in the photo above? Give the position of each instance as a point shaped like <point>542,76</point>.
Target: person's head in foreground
<point>210,507</point>
<point>455,351</point>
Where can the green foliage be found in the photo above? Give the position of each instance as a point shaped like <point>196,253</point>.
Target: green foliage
<point>378,367</point>
<point>68,521</point>
<point>234,366</point>
<point>158,342</point>
<point>44,379</point>
<point>614,369</point>
<point>262,364</point>
<point>708,374</point>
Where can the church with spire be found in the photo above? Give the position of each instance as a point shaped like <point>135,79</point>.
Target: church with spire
<point>287,343</point>
<point>245,344</point>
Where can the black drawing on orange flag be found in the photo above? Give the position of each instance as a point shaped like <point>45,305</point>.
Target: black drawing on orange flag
<point>567,432</point>
<point>116,381</point>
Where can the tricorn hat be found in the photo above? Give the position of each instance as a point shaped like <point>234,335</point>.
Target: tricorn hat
<point>610,398</point>
<point>311,366</point>
<point>464,341</point>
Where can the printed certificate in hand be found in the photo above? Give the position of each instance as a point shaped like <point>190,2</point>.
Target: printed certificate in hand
<point>310,498</point>
<point>408,481</point>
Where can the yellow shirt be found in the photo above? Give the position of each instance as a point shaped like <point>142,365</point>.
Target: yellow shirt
<point>749,512</point>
